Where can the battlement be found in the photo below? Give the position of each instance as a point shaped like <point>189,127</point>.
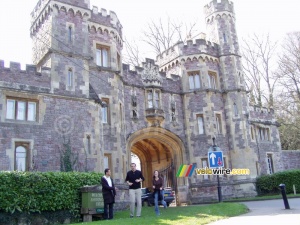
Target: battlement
<point>261,110</point>
<point>82,8</point>
<point>218,6</point>
<point>15,67</point>
<point>190,48</point>
<point>108,16</point>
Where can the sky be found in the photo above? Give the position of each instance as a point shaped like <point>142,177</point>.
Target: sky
<point>252,16</point>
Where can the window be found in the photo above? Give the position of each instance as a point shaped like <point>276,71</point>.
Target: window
<point>70,33</point>
<point>252,130</point>
<point>212,80</point>
<point>21,109</point>
<point>88,137</point>
<point>22,157</point>
<point>270,164</point>
<point>102,54</point>
<point>204,165</point>
<point>200,124</point>
<point>107,161</point>
<point>121,116</point>
<point>105,110</point>
<point>153,98</point>
<point>194,80</point>
<point>218,124</point>
<point>118,62</point>
<point>264,134</point>
<point>224,38</point>
<point>70,78</point>
<point>235,109</point>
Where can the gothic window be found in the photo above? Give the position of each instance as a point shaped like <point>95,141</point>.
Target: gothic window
<point>270,164</point>
<point>153,98</point>
<point>118,62</point>
<point>264,134</point>
<point>105,110</point>
<point>235,109</point>
<point>252,132</point>
<point>194,80</point>
<point>21,109</point>
<point>22,157</point>
<point>70,78</point>
<point>107,161</point>
<point>134,114</point>
<point>102,55</point>
<point>200,122</point>
<point>212,80</point>
<point>218,123</point>
<point>70,33</point>
<point>88,137</point>
<point>224,38</point>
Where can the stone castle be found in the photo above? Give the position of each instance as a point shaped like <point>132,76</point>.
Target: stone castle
<point>78,96</point>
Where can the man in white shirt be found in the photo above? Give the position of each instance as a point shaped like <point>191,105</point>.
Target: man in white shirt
<point>109,193</point>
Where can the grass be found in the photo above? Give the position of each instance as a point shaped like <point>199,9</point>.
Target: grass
<point>184,215</point>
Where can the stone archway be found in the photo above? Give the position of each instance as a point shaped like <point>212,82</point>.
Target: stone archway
<point>158,149</point>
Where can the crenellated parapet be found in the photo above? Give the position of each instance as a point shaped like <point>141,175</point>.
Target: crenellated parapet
<point>199,49</point>
<point>219,8</point>
<point>262,115</point>
<point>13,77</point>
<point>102,21</point>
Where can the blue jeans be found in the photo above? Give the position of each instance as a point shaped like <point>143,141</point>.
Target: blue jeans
<point>156,201</point>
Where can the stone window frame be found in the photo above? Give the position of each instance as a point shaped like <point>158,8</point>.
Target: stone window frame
<point>200,115</point>
<point>270,162</point>
<point>210,75</point>
<point>218,123</point>
<point>109,162</point>
<point>17,100</point>
<point>105,110</point>
<point>192,80</point>
<point>266,133</point>
<point>205,177</point>
<point>11,153</point>
<point>99,51</point>
<point>155,101</point>
<point>252,133</point>
<point>70,79</point>
<point>70,37</point>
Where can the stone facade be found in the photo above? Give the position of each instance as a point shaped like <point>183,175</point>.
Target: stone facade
<point>82,97</point>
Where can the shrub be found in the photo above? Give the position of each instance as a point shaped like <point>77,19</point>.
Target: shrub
<point>269,184</point>
<point>49,191</point>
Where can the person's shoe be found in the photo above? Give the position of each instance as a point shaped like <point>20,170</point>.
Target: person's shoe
<point>131,216</point>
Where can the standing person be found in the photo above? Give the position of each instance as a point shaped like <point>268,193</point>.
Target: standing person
<point>158,187</point>
<point>134,178</point>
<point>109,193</point>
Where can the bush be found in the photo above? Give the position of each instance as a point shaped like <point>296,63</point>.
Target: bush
<point>269,184</point>
<point>49,191</point>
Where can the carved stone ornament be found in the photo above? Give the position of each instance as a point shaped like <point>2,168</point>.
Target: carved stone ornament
<point>151,75</point>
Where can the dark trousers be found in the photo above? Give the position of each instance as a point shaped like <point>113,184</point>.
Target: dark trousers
<point>108,210</point>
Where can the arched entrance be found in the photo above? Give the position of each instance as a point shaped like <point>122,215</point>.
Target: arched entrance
<point>158,149</point>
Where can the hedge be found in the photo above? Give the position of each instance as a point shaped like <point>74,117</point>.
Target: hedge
<point>44,191</point>
<point>269,184</point>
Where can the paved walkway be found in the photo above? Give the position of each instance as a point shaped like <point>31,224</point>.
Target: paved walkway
<point>267,212</point>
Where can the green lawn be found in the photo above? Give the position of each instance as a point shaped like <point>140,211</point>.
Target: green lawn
<point>184,215</point>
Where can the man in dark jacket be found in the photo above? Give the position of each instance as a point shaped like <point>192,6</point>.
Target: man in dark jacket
<point>109,193</point>
<point>133,179</point>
